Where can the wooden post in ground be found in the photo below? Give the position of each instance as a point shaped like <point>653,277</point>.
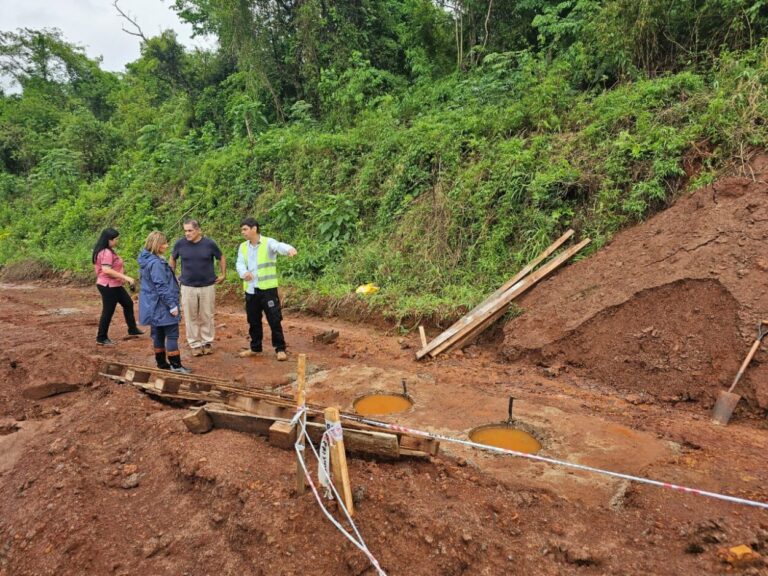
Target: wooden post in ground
<point>339,470</point>
<point>301,381</point>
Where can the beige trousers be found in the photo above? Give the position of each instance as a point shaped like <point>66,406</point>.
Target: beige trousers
<point>198,306</point>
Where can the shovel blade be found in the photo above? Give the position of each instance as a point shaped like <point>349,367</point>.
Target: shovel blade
<point>726,403</point>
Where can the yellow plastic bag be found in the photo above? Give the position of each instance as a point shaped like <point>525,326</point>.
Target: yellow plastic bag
<point>370,288</point>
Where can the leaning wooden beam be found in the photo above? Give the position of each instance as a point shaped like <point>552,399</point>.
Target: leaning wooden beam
<point>481,318</point>
<point>459,324</point>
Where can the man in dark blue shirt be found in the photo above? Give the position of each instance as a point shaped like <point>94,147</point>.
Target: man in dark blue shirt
<point>198,285</point>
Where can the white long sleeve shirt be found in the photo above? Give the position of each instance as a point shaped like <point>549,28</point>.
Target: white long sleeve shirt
<point>249,264</point>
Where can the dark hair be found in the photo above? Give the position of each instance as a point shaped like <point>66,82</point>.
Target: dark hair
<point>103,242</point>
<point>192,222</point>
<point>250,222</point>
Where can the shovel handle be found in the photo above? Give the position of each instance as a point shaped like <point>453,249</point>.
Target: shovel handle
<point>746,362</point>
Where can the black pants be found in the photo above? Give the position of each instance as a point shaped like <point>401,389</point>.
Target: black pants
<point>268,302</point>
<point>110,298</point>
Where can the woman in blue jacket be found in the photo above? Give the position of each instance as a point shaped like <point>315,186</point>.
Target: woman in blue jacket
<point>159,302</point>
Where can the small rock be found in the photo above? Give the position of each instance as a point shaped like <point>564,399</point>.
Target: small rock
<point>404,345</point>
<point>552,371</point>
<point>741,556</point>
<point>130,469</point>
<point>131,482</point>
<point>358,494</point>
<point>57,446</point>
<point>580,557</point>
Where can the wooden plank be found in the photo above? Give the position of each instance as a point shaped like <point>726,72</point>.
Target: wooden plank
<point>419,445</point>
<point>339,470</point>
<point>198,421</point>
<point>423,336</point>
<point>482,316</point>
<point>361,441</point>
<point>282,435</point>
<point>458,325</point>
<point>357,441</point>
<point>467,338</point>
<point>192,379</point>
<point>240,421</point>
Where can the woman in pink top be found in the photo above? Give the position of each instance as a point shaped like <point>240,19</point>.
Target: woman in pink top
<point>110,277</point>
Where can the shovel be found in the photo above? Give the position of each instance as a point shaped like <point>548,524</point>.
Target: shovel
<point>726,401</point>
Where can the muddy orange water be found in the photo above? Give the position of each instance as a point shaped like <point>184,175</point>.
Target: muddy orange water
<point>382,404</point>
<point>505,437</point>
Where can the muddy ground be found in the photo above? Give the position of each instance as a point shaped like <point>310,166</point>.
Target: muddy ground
<point>615,364</point>
<point>105,480</point>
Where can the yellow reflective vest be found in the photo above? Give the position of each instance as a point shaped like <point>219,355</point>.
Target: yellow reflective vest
<point>266,267</point>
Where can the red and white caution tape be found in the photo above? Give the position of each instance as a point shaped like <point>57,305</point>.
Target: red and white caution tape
<point>639,479</point>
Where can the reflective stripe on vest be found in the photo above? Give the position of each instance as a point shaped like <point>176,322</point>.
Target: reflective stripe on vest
<point>266,267</point>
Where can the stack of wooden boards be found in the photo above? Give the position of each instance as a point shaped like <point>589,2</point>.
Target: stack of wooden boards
<point>236,407</point>
<point>492,308</point>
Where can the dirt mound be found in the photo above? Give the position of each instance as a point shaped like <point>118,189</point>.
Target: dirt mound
<point>34,370</point>
<point>705,253</point>
<point>660,342</point>
<point>26,270</point>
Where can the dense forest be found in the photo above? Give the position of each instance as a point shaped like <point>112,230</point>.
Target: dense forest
<point>430,147</point>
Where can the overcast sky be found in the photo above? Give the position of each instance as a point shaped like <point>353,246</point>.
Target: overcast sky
<point>96,26</point>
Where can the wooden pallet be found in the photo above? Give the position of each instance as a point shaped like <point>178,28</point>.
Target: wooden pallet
<point>237,407</point>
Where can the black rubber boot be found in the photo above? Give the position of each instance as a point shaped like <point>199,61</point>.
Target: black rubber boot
<point>176,366</point>
<point>162,363</point>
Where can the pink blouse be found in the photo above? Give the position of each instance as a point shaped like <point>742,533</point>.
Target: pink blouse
<point>108,258</point>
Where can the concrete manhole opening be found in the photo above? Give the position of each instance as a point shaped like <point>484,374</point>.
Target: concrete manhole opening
<point>509,435</point>
<point>378,403</point>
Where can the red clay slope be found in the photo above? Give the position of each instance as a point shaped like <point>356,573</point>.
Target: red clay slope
<point>669,308</point>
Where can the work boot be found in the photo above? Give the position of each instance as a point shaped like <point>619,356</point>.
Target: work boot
<point>282,356</point>
<point>207,348</point>
<point>197,351</point>
<point>249,353</point>
<point>161,361</point>
<point>135,332</point>
<point>176,366</point>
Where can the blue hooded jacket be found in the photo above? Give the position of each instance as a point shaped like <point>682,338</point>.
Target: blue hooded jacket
<point>159,291</point>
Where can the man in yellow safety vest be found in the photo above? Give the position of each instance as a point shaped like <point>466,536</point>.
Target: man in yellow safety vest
<point>257,266</point>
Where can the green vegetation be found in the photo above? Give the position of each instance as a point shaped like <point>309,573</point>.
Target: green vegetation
<point>427,148</point>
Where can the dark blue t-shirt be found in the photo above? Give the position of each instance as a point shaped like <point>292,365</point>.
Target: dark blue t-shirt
<point>196,261</point>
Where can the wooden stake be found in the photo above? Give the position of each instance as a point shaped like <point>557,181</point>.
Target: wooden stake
<point>339,470</point>
<point>423,336</point>
<point>301,375</point>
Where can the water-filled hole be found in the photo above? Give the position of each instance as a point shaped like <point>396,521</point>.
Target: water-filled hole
<point>381,403</point>
<point>505,436</point>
